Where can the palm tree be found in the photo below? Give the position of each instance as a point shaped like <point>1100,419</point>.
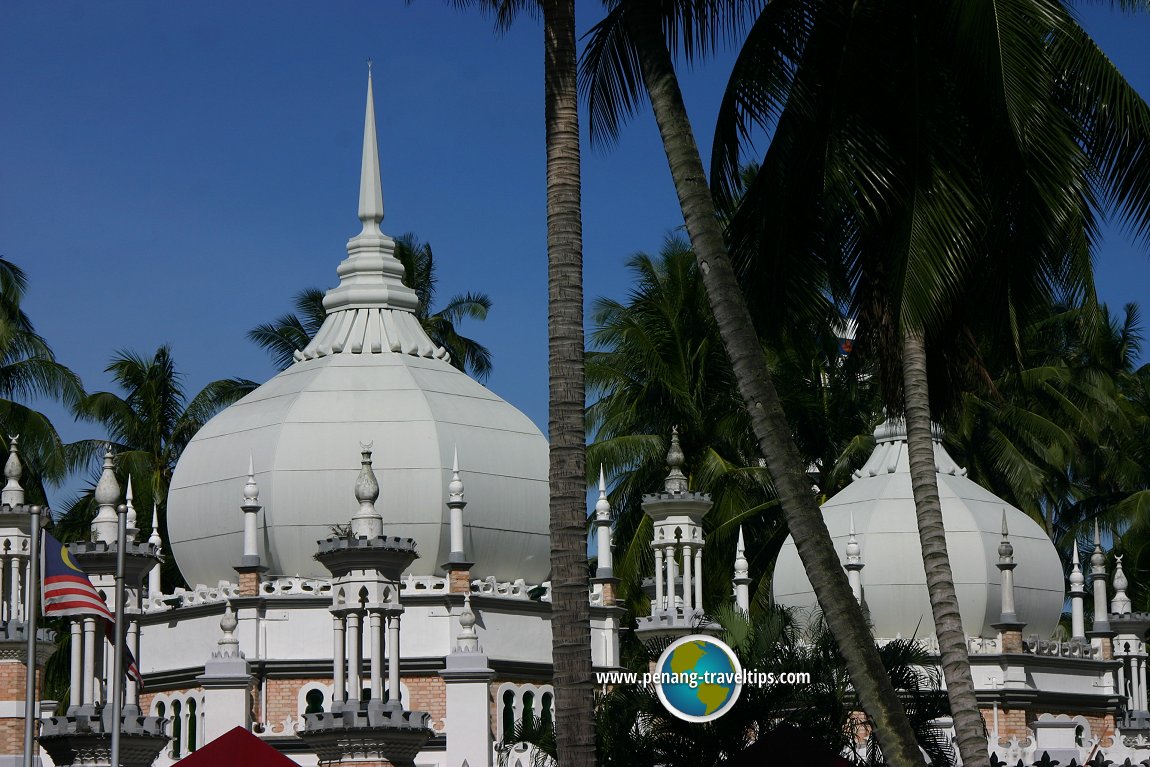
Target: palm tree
<point>148,427</point>
<point>793,724</point>
<point>28,369</point>
<point>966,205</point>
<point>626,57</point>
<point>292,331</point>
<point>658,363</point>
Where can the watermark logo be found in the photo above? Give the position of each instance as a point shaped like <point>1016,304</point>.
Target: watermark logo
<point>698,678</point>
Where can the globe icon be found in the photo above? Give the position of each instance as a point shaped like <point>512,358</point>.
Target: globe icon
<point>698,678</point>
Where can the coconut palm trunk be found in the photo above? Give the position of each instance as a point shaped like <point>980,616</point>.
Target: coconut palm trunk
<point>842,613</point>
<point>570,621</point>
<point>969,728</point>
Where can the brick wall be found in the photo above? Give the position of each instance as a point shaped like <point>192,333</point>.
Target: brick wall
<point>428,693</point>
<point>13,679</point>
<point>283,698</point>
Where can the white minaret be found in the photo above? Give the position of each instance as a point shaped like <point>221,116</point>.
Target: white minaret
<point>1077,594</point>
<point>132,521</point>
<point>1098,581</point>
<point>854,564</point>
<point>455,505</point>
<point>367,522</point>
<point>1006,565</point>
<point>104,526</point>
<point>251,509</point>
<point>742,579</point>
<point>154,589</point>
<point>606,567</point>
<point>13,492</point>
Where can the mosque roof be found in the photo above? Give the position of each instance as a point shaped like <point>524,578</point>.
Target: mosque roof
<point>879,505</point>
<point>371,374</point>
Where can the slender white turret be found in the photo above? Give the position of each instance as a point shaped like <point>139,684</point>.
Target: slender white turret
<point>251,509</point>
<point>854,564</point>
<point>455,505</point>
<point>1006,565</point>
<point>742,578</point>
<point>154,589</point>
<point>606,566</point>
<point>1098,581</point>
<point>1077,594</point>
<point>132,519</point>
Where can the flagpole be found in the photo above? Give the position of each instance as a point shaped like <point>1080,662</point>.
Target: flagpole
<point>118,664</point>
<point>30,626</point>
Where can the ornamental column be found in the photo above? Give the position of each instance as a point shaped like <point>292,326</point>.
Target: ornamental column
<point>366,567</point>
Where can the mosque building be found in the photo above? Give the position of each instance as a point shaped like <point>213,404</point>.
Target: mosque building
<point>369,538</point>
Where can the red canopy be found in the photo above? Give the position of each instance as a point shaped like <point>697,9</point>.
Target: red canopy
<point>236,748</point>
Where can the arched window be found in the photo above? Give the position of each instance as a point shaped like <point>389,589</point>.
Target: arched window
<point>508,712</point>
<point>192,726</point>
<point>545,710</point>
<point>160,710</point>
<point>177,728</point>
<point>528,708</point>
<point>314,700</point>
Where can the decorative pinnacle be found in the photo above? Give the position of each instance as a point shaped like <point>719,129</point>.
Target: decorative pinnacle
<point>1005,548</point>
<point>367,522</point>
<point>742,566</point>
<point>129,496</point>
<point>676,481</point>
<point>468,640</point>
<point>104,526</point>
<point>1097,559</point>
<point>602,506</point>
<point>107,489</point>
<point>854,551</point>
<point>1077,579</point>
<point>251,489</point>
<point>229,646</point>
<point>13,492</point>
<point>455,487</point>
<point>155,536</point>
<point>1120,604</point>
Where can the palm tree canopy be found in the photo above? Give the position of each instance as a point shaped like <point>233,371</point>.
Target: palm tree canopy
<point>148,427</point>
<point>29,370</point>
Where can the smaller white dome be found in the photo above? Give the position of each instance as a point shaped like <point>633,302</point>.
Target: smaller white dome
<point>893,579</point>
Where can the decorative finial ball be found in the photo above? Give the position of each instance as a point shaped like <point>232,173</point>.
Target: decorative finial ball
<point>675,457</point>
<point>228,623</point>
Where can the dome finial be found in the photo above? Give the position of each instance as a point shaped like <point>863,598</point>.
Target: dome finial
<point>1120,604</point>
<point>676,481</point>
<point>602,506</point>
<point>107,492</point>
<point>370,188</point>
<point>367,522</point>
<point>1005,548</point>
<point>13,492</point>
<point>468,640</point>
<point>251,489</point>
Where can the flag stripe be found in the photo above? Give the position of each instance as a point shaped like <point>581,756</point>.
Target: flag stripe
<point>66,590</point>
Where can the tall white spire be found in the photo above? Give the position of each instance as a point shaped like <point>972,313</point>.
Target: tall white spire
<point>251,507</point>
<point>606,568</point>
<point>154,589</point>
<point>742,577</point>
<point>370,188</point>
<point>371,311</point>
<point>455,505</point>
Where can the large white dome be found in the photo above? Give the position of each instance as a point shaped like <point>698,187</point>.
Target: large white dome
<point>894,583</point>
<point>371,374</point>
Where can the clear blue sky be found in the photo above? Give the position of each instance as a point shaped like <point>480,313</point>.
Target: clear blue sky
<point>175,172</point>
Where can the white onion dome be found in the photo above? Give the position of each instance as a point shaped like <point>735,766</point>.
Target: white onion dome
<point>371,375</point>
<point>894,583</point>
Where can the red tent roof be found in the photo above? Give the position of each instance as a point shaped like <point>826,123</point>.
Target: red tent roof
<point>236,748</point>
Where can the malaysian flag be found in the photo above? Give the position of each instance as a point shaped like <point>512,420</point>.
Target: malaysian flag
<point>66,590</point>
